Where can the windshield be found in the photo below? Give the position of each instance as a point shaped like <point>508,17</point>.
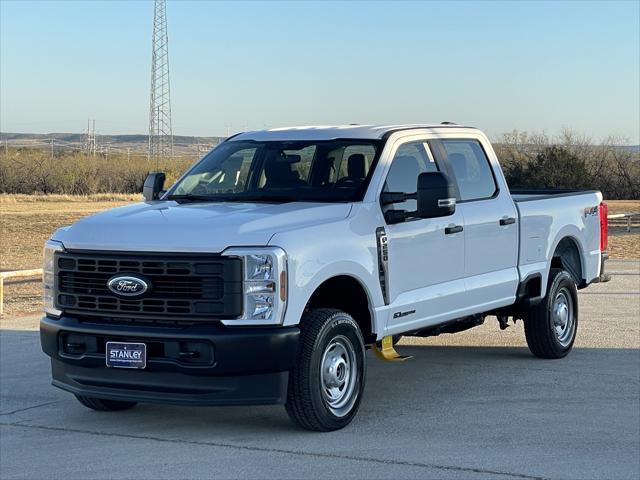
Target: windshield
<point>327,171</point>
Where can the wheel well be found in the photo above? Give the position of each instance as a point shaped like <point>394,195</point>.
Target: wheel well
<point>347,294</point>
<point>567,257</point>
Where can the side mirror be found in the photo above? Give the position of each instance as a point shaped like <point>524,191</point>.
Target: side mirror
<point>153,186</point>
<point>436,196</point>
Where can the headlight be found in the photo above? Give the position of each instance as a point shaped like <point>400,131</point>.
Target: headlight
<point>49,278</point>
<point>259,267</point>
<point>264,283</point>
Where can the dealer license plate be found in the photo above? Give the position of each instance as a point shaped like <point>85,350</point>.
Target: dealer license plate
<point>126,355</point>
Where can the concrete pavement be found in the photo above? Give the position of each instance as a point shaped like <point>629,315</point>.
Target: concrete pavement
<point>457,410</point>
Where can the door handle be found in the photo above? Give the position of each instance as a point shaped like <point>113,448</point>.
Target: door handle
<point>507,221</point>
<point>452,230</point>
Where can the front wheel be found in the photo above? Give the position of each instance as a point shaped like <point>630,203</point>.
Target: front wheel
<point>325,386</point>
<point>551,326</point>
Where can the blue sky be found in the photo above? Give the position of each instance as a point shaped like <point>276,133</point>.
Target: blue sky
<point>535,66</point>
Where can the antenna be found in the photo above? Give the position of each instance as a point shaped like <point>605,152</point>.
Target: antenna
<point>160,133</point>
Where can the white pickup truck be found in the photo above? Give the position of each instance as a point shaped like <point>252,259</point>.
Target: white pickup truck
<point>269,268</point>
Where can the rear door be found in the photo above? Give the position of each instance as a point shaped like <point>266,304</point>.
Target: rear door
<point>425,263</point>
<point>490,230</point>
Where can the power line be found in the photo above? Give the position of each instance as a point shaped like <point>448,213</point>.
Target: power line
<point>160,133</point>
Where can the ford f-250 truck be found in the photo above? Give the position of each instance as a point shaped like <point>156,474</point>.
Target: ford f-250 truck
<point>269,268</point>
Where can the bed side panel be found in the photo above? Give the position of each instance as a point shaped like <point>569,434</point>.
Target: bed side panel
<point>546,221</point>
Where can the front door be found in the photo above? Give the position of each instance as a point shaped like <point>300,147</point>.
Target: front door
<point>425,256</point>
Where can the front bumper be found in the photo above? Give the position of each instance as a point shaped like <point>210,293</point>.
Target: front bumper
<point>194,365</point>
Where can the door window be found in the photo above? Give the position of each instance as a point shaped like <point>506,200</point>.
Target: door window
<point>471,168</point>
<point>411,159</point>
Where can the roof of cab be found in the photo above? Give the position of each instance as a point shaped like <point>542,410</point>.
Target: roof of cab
<point>323,132</point>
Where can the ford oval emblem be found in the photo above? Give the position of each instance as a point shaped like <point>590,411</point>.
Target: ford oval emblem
<point>128,285</point>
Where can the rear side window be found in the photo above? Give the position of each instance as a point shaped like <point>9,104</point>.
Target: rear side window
<point>471,168</point>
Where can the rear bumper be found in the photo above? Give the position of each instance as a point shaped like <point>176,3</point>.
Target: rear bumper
<point>194,365</point>
<point>603,277</point>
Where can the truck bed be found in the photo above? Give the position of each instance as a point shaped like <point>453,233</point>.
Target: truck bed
<point>547,217</point>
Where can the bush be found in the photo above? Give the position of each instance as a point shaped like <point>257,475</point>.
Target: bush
<point>554,167</point>
<point>28,170</point>
<point>570,161</point>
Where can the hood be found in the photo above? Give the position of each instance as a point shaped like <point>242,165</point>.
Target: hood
<point>168,226</point>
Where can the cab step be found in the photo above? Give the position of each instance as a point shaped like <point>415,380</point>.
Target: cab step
<point>386,351</point>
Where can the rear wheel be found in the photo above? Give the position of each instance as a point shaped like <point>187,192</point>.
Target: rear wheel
<point>325,387</point>
<point>551,326</point>
<point>103,405</point>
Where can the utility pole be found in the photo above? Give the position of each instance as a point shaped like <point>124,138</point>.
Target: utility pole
<point>160,132</point>
<point>94,142</point>
<point>85,140</point>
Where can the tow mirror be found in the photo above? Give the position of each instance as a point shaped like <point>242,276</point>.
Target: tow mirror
<point>153,186</point>
<point>435,196</point>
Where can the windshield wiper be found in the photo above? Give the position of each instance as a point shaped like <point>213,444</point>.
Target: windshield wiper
<point>230,198</point>
<point>266,198</point>
<point>196,198</point>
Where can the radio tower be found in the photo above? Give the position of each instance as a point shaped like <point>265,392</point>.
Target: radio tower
<point>160,134</point>
<point>90,145</point>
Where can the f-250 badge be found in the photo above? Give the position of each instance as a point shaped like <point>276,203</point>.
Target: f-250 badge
<point>590,211</point>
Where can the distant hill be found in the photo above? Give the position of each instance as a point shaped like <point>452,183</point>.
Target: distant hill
<point>71,141</point>
<point>78,137</point>
<point>135,142</point>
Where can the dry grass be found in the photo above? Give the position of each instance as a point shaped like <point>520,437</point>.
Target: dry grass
<point>96,197</point>
<point>27,221</point>
<point>623,206</point>
<point>621,243</point>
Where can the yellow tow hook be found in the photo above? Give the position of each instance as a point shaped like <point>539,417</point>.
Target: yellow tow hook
<point>387,352</point>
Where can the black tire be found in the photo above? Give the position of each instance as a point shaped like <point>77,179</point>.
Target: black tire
<point>310,403</point>
<point>545,338</point>
<point>103,405</point>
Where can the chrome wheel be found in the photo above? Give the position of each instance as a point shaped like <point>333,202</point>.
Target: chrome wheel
<point>339,376</point>
<point>563,317</point>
